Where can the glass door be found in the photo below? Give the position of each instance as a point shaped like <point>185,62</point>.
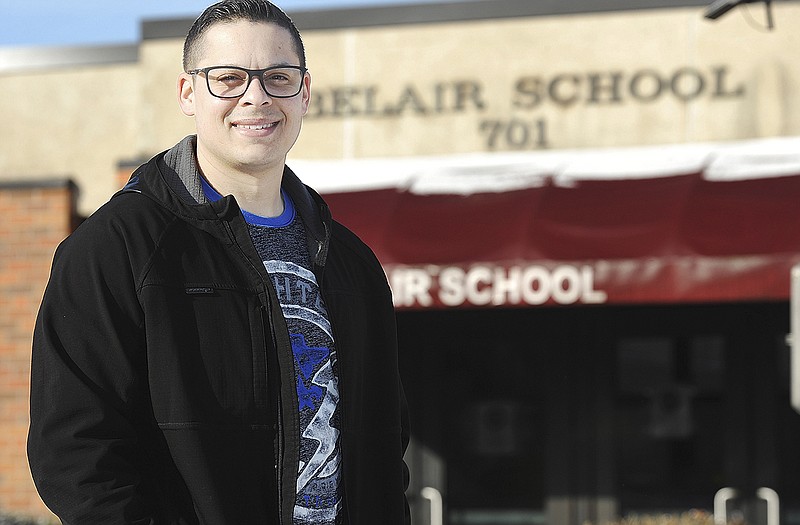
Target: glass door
<point>703,416</point>
<point>591,415</point>
<point>476,394</point>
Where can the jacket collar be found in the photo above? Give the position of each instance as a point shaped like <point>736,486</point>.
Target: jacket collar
<point>172,179</point>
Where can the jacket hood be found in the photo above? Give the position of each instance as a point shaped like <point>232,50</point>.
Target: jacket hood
<point>172,179</point>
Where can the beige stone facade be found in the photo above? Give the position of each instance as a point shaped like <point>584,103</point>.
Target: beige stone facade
<point>624,78</point>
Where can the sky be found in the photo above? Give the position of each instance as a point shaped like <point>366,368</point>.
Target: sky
<point>26,23</point>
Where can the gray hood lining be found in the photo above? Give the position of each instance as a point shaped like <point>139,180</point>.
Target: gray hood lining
<point>179,168</point>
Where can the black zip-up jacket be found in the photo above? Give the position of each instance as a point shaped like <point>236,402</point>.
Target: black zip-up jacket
<point>163,387</point>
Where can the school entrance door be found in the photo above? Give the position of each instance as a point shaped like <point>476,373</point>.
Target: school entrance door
<point>564,416</point>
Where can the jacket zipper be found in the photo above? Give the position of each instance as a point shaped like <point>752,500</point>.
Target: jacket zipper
<point>278,439</point>
<point>345,518</point>
<point>279,458</point>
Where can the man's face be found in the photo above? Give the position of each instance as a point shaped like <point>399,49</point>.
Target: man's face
<point>252,133</point>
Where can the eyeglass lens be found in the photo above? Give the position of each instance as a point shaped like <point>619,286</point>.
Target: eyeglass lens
<point>233,81</point>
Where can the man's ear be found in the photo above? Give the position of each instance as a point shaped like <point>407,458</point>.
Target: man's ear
<point>306,92</point>
<point>186,94</point>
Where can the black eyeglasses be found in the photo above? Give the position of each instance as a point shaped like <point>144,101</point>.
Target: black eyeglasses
<point>232,82</point>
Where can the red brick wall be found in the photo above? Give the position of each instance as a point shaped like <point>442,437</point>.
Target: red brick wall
<point>36,217</point>
<point>125,169</point>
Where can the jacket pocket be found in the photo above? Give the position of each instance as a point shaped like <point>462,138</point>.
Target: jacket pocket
<point>205,353</point>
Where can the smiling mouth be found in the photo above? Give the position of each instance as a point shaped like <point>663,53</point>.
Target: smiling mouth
<point>256,126</point>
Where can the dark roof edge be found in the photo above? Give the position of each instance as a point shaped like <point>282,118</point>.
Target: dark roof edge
<point>20,59</point>
<point>434,13</point>
<point>26,184</point>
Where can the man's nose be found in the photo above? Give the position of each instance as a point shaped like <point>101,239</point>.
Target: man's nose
<point>256,93</point>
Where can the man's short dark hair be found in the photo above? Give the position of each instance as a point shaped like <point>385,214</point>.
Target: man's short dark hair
<point>232,11</point>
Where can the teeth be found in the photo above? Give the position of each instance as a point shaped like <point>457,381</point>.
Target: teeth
<point>254,126</point>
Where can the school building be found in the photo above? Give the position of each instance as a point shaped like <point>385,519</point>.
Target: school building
<point>587,211</point>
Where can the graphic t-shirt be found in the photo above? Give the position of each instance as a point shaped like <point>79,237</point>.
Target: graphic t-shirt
<point>281,242</point>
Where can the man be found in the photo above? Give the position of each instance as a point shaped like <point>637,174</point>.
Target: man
<point>212,347</point>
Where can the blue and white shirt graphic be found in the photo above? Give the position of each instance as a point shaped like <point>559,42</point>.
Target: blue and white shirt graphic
<point>317,392</point>
<point>281,242</point>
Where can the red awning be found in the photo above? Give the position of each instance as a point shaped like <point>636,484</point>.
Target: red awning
<point>705,225</point>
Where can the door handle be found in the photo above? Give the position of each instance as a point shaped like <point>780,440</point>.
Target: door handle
<point>773,504</point>
<point>793,339</point>
<point>721,504</point>
<point>437,507</point>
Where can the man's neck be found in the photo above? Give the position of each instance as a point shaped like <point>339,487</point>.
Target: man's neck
<point>258,193</point>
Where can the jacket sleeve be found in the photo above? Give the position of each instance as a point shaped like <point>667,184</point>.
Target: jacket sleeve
<point>84,446</point>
